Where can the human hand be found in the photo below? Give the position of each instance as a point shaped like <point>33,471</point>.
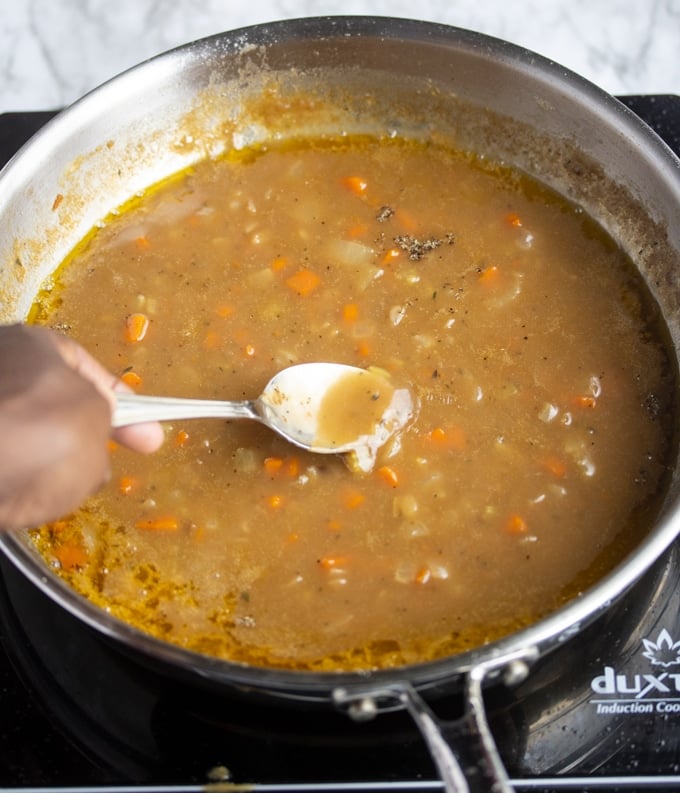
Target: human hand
<point>55,420</point>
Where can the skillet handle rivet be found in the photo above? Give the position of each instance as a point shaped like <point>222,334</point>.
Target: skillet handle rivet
<point>516,672</point>
<point>363,709</point>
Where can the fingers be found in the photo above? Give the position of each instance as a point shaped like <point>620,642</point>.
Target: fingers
<point>88,367</point>
<point>144,438</point>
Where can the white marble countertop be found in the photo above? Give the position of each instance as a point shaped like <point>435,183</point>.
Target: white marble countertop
<point>53,52</point>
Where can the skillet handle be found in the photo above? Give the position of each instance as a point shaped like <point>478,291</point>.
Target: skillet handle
<point>475,749</point>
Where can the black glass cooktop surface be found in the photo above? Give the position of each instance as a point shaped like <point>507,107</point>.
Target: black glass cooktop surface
<point>601,713</point>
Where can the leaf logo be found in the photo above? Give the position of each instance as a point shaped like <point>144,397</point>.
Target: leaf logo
<point>664,652</point>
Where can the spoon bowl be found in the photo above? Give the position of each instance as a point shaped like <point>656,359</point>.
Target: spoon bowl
<point>328,408</point>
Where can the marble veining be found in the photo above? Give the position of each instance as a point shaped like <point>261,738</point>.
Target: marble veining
<point>51,53</point>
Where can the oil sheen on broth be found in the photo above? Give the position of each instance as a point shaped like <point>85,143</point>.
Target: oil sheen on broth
<point>536,358</point>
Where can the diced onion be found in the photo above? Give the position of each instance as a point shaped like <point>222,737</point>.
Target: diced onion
<point>350,253</point>
<point>548,412</point>
<point>396,314</point>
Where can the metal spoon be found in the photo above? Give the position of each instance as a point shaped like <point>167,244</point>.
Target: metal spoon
<point>323,407</point>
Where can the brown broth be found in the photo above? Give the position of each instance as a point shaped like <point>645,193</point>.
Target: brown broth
<point>537,359</point>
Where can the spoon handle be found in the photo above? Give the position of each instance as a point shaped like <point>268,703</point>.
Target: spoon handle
<point>134,409</point>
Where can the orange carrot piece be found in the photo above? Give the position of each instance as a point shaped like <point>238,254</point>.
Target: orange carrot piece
<point>357,230</point>
<point>355,184</point>
<point>333,525</point>
<point>131,378</point>
<point>292,467</point>
<point>165,523</point>
<point>71,555</point>
<point>57,200</point>
<point>136,327</point>
<point>126,484</point>
<point>513,219</point>
<point>224,310</point>
<point>451,437</point>
<point>273,465</point>
<point>353,499</point>
<point>585,401</point>
<point>304,282</point>
<point>489,275</point>
<point>197,534</point>
<point>279,263</point>
<point>391,255</point>
<point>405,220</point>
<point>112,446</point>
<point>363,349</point>
<point>350,312</point>
<point>142,243</point>
<point>516,524</point>
<point>555,465</point>
<point>211,340</point>
<point>329,562</point>
<point>388,475</point>
<point>423,575</point>
<point>181,438</point>
<point>274,502</point>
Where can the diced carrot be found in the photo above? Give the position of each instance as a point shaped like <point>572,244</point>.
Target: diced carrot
<point>329,562</point>
<point>71,555</point>
<point>555,465</point>
<point>292,467</point>
<point>333,525</point>
<point>142,243</point>
<point>489,275</point>
<point>181,438</point>
<point>131,378</point>
<point>165,523</point>
<point>388,475</point>
<point>126,484</point>
<point>451,437</point>
<point>357,230</point>
<point>350,312</point>
<point>355,184</point>
<point>275,502</point>
<point>363,349</point>
<point>513,219</point>
<point>57,200</point>
<point>224,310</point>
<point>197,533</point>
<point>353,499</point>
<point>437,435</point>
<point>279,263</point>
<point>405,220</point>
<point>423,575</point>
<point>136,327</point>
<point>211,340</point>
<point>516,524</point>
<point>112,446</point>
<point>304,282</point>
<point>391,255</point>
<point>585,401</point>
<point>273,465</point>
